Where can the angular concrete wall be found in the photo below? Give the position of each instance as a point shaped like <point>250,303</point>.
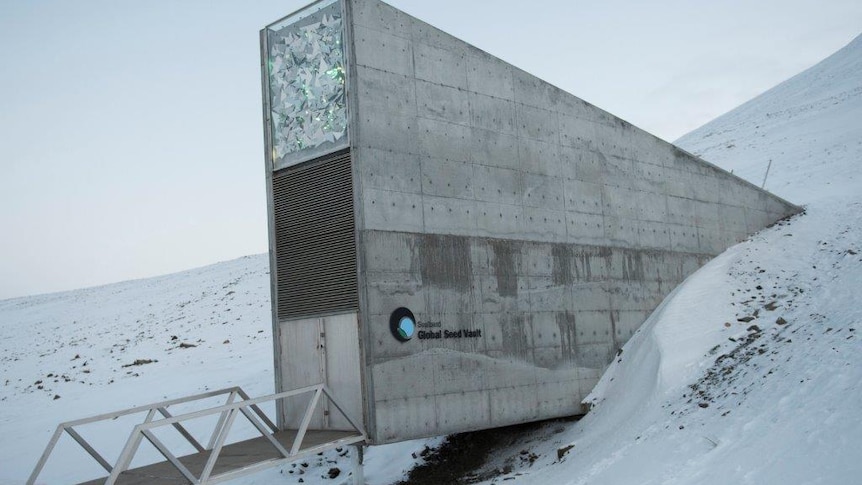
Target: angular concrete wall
<point>530,232</point>
<point>490,200</point>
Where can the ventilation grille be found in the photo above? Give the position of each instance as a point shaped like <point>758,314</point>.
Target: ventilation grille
<point>315,238</point>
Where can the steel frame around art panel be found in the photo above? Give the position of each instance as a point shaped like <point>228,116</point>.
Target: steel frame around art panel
<point>329,140</point>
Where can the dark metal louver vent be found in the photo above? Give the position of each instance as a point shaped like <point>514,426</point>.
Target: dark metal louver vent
<point>315,238</point>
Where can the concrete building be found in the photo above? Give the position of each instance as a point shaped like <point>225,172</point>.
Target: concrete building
<point>456,244</point>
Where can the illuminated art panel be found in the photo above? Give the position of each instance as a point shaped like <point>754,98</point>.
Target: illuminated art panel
<point>306,78</point>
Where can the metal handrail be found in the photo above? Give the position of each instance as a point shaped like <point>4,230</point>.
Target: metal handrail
<point>228,412</point>
<point>150,409</point>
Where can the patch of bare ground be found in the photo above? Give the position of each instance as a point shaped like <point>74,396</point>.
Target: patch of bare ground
<point>464,458</point>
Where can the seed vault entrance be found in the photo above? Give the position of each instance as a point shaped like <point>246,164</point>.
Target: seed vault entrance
<point>311,209</point>
<point>315,280</point>
<point>456,244</point>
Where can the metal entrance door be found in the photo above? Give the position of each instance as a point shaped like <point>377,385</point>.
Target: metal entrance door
<point>322,349</point>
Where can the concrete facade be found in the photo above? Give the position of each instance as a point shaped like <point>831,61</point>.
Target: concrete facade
<point>492,203</point>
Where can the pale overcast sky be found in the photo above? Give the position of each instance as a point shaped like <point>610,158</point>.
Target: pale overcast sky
<point>131,133</point>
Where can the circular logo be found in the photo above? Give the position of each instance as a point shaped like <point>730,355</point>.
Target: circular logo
<point>402,323</point>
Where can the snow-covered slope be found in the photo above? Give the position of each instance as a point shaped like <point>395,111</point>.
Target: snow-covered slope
<point>808,127</point>
<point>750,372</point>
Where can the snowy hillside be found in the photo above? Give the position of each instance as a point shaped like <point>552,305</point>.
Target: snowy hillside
<point>808,127</point>
<point>750,372</point>
<point>74,354</point>
<point>70,355</point>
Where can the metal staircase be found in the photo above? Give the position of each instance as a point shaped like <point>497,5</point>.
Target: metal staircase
<point>219,460</point>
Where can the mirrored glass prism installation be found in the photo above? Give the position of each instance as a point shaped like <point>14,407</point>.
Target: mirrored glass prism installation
<point>306,76</point>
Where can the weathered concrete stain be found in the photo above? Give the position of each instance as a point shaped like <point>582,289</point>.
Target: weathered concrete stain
<point>615,317</point>
<point>514,329</point>
<point>562,268</point>
<point>505,265</point>
<point>445,261</point>
<point>568,335</point>
<point>583,264</point>
<point>633,267</point>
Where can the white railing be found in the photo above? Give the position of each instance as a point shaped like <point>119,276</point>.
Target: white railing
<point>227,412</point>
